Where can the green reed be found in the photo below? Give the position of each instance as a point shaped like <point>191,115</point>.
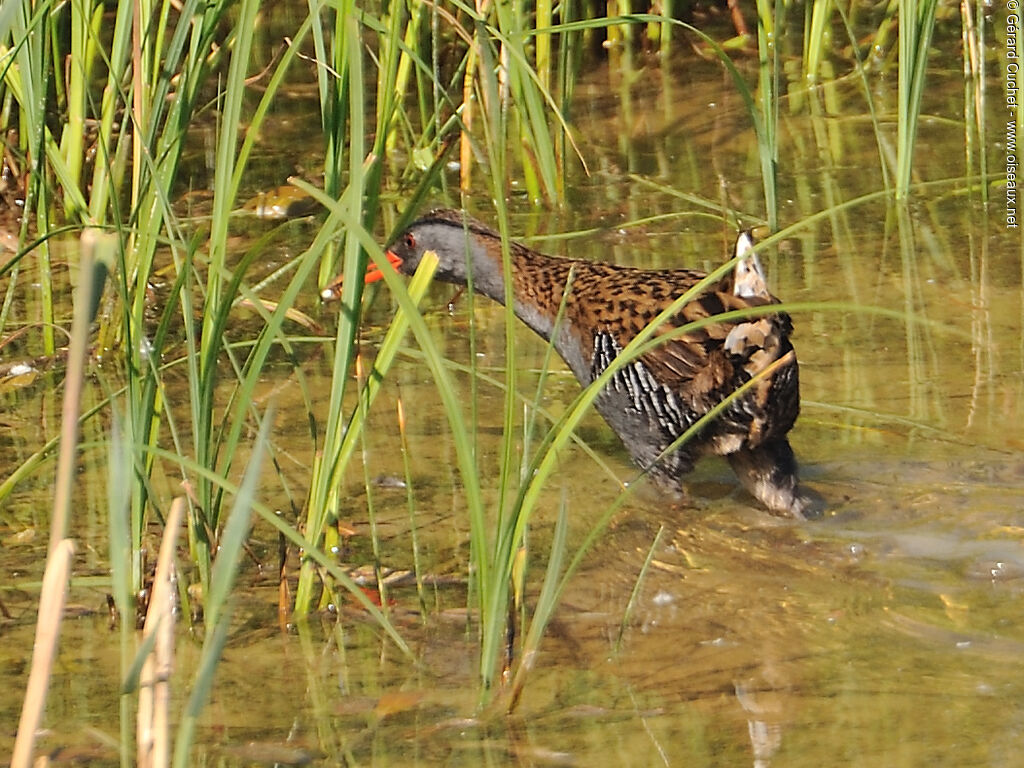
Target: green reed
<point>27,70</point>
<point>770,28</point>
<point>499,536</point>
<point>817,37</point>
<point>913,21</point>
<point>344,427</point>
<point>917,21</point>
<point>490,131</point>
<point>217,597</point>
<point>133,186</point>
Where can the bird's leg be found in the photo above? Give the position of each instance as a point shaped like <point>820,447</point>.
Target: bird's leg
<point>737,18</point>
<point>769,473</point>
<point>667,472</point>
<point>455,297</point>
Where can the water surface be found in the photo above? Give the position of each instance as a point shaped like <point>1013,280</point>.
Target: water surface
<point>885,633</point>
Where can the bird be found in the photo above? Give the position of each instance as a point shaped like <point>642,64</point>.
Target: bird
<point>590,311</point>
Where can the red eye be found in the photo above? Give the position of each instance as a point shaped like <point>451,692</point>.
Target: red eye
<point>409,240</point>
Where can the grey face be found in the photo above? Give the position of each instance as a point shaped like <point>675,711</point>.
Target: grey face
<point>450,242</point>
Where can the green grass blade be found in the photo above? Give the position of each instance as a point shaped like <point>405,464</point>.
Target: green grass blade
<point>432,356</point>
<point>386,353</point>
<point>270,517</point>
<point>916,23</point>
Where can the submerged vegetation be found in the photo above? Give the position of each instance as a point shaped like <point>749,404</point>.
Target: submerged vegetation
<point>107,105</point>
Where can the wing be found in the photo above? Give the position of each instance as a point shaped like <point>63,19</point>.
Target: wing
<point>678,382</point>
<point>716,354</point>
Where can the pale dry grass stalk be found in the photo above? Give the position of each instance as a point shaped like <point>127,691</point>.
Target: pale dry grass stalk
<point>79,350</point>
<point>51,611</point>
<point>153,723</point>
<point>58,560</point>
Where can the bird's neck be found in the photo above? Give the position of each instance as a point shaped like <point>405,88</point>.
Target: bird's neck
<point>538,283</point>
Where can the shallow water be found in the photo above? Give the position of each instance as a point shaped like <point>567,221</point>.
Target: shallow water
<point>885,633</point>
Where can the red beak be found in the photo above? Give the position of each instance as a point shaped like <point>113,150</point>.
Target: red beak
<point>333,290</point>
<point>373,273</point>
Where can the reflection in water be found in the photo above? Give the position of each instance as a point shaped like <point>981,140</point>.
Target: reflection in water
<point>765,736</point>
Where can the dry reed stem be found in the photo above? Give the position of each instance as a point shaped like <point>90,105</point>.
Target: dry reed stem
<point>51,612</point>
<point>71,408</point>
<point>58,559</point>
<point>153,728</point>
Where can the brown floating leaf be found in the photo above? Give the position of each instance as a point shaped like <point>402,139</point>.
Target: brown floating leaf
<point>346,530</point>
<point>355,705</point>
<point>394,702</point>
